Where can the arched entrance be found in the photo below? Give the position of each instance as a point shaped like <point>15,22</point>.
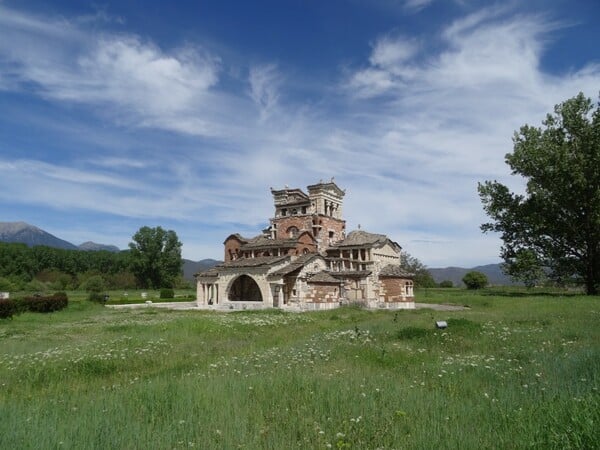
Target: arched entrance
<point>244,289</point>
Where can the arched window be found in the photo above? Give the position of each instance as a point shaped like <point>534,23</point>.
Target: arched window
<point>292,232</point>
<point>408,289</point>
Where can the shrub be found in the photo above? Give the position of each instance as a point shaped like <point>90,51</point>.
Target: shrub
<point>46,304</point>
<point>475,280</point>
<point>167,293</point>
<point>446,284</point>
<point>5,284</point>
<point>8,308</point>
<point>94,284</point>
<point>98,297</point>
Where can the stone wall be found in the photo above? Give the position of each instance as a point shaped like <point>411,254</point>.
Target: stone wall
<point>323,293</point>
<point>393,290</point>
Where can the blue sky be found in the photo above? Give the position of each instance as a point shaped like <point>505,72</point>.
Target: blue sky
<point>120,114</point>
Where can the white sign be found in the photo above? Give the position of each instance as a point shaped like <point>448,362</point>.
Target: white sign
<point>4,295</point>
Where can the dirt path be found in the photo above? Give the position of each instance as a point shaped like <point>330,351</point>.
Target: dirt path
<point>193,305</point>
<point>440,307</point>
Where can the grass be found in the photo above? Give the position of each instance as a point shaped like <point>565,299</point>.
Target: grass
<point>516,370</point>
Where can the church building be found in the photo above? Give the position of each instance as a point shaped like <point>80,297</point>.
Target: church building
<point>305,260</point>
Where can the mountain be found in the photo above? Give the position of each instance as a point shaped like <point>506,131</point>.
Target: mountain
<point>455,274</point>
<point>92,246</point>
<point>192,267</point>
<point>28,234</point>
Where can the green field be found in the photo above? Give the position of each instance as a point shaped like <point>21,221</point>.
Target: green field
<point>516,370</point>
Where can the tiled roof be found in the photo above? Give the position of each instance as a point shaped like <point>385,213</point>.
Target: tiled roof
<point>239,237</point>
<point>212,272</point>
<point>297,264</point>
<point>253,262</point>
<point>360,238</point>
<point>351,273</point>
<point>264,242</point>
<point>393,270</point>
<point>260,261</point>
<point>323,277</point>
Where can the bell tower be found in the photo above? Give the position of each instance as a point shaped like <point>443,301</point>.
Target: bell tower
<point>318,213</point>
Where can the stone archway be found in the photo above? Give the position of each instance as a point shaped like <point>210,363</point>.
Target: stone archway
<point>244,289</point>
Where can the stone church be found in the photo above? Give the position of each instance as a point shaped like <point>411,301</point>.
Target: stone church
<point>305,260</point>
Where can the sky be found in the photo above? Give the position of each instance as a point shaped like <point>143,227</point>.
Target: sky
<point>120,114</point>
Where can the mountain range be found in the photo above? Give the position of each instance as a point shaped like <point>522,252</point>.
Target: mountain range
<point>31,235</point>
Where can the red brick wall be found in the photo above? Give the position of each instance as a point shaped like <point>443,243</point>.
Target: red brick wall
<point>302,223</point>
<point>330,224</point>
<point>232,245</point>
<point>305,223</point>
<point>323,293</point>
<point>306,242</point>
<point>393,289</point>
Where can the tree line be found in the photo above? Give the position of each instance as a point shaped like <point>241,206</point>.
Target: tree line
<point>152,261</point>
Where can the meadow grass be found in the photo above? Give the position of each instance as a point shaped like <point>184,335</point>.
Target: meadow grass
<point>517,369</point>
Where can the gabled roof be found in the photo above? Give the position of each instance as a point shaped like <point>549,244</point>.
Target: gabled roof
<point>296,264</point>
<point>262,261</point>
<point>253,262</point>
<point>265,242</point>
<point>212,272</point>
<point>238,237</point>
<point>351,274</point>
<point>323,277</point>
<point>395,271</point>
<point>359,238</point>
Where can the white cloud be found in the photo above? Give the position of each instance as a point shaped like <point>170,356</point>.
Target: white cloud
<point>416,5</point>
<point>135,79</point>
<point>389,51</point>
<point>264,88</point>
<point>434,123</point>
<point>410,134</point>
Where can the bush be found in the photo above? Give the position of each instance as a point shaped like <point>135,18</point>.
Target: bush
<point>93,284</point>
<point>5,284</point>
<point>8,308</point>
<point>167,293</point>
<point>98,297</point>
<point>45,304</point>
<point>475,280</point>
<point>446,284</point>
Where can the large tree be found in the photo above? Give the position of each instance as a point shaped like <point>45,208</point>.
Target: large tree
<point>556,222</point>
<point>155,257</point>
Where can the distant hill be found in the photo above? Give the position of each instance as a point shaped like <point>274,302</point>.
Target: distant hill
<point>28,234</point>
<point>455,274</point>
<point>31,236</point>
<point>92,246</point>
<point>192,267</point>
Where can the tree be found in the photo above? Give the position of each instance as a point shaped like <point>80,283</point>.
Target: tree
<point>155,257</point>
<point>525,267</point>
<point>475,280</point>
<point>446,284</point>
<point>422,277</point>
<point>558,218</point>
